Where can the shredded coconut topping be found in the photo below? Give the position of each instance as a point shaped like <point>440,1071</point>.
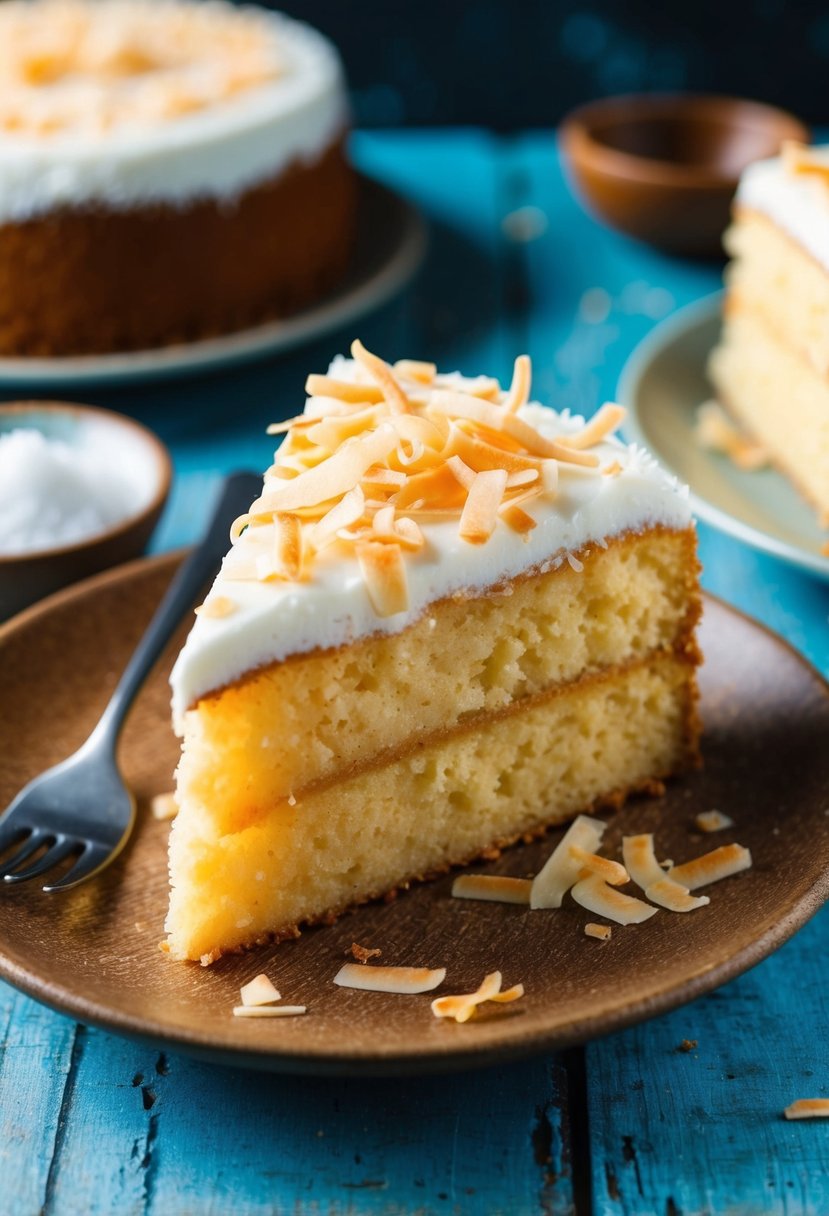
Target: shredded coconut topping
<point>462,1007</point>
<point>70,67</point>
<point>370,458</point>
<point>495,887</point>
<point>808,1108</point>
<point>404,980</point>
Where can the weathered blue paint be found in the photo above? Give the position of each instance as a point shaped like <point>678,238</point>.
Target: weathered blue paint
<point>96,1125</point>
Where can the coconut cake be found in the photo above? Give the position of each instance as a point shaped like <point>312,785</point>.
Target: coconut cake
<point>452,619</point>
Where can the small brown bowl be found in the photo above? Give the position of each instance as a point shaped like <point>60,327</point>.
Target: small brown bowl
<point>664,168</point>
<point>145,461</point>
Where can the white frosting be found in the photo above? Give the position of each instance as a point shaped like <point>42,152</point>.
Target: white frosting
<point>798,203</point>
<point>235,138</point>
<point>276,619</point>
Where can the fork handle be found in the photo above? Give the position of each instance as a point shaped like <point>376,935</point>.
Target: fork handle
<point>238,492</point>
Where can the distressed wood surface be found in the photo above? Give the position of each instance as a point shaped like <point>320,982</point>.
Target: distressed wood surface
<point>93,1124</point>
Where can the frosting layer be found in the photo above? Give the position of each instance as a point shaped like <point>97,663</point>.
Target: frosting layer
<point>96,109</point>
<point>275,619</point>
<point>795,199</point>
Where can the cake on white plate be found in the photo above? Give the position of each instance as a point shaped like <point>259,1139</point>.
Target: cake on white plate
<point>771,369</point>
<point>451,620</point>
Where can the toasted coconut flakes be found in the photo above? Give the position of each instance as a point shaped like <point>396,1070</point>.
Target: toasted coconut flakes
<point>462,1007</point>
<point>217,606</point>
<point>561,869</point>
<point>384,571</point>
<point>495,887</point>
<point>462,472</point>
<point>611,871</point>
<point>288,537</point>
<point>808,1108</point>
<point>381,373</point>
<point>519,390</point>
<point>712,867</point>
<point>282,428</point>
<point>517,518</point>
<point>602,424</point>
<point>713,821</point>
<point>381,478</point>
<point>416,369</point>
<point>673,896</point>
<point>602,932</point>
<point>595,895</point>
<point>332,431</point>
<point>343,390</point>
<point>640,860</point>
<point>549,478</point>
<point>258,991</point>
<point>335,476</point>
<point>480,513</point>
<point>613,469</point>
<point>363,953</point>
<point>164,806</point>
<point>369,457</point>
<point>403,980</point>
<point>523,478</point>
<point>268,1011</point>
<point>348,511</point>
<point>715,431</point>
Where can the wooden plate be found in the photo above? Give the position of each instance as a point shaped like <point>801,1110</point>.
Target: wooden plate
<point>93,952</point>
<point>662,384</point>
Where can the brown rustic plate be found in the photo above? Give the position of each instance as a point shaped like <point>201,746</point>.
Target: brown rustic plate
<point>93,952</point>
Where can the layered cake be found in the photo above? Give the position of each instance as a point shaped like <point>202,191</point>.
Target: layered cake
<point>452,619</point>
<point>771,369</point>
<point>169,169</point>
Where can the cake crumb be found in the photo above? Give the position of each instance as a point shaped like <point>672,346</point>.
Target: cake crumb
<point>808,1108</point>
<point>713,821</point>
<point>602,932</point>
<point>363,953</point>
<point>164,806</point>
<point>687,1045</point>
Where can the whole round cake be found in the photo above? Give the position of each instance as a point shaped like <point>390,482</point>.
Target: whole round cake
<point>169,169</point>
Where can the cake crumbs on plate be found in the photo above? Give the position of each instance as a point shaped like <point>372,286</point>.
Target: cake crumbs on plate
<point>163,806</point>
<point>363,953</point>
<point>713,821</point>
<point>687,1045</point>
<point>601,932</point>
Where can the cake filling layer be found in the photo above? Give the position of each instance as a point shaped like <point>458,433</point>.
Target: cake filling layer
<point>318,715</point>
<point>436,805</point>
<point>778,396</point>
<point>128,102</point>
<point>775,277</point>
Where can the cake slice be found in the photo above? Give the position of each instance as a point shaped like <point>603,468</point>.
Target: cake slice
<point>451,620</point>
<point>771,368</point>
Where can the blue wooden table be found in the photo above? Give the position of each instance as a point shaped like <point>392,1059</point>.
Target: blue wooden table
<point>94,1124</point>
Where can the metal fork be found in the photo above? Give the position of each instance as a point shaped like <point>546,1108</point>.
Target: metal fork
<point>82,805</point>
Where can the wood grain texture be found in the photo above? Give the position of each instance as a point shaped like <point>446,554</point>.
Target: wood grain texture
<point>677,1131</point>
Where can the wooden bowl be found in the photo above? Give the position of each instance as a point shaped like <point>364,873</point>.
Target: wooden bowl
<point>664,168</point>
<point>26,577</point>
